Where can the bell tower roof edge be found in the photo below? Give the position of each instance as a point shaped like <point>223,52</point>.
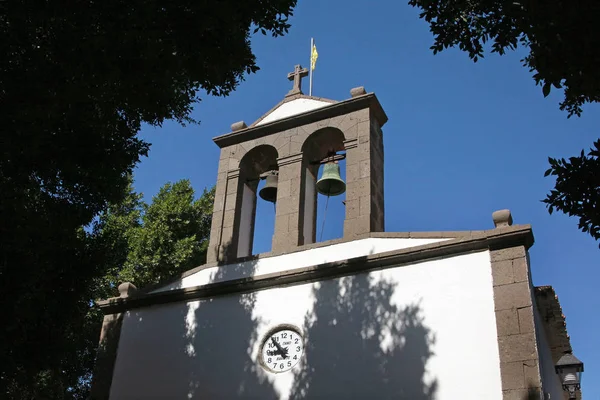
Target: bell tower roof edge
<point>329,109</point>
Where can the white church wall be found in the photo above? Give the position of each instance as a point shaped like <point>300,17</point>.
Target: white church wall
<point>417,332</point>
<point>294,107</point>
<point>550,380</point>
<point>286,262</point>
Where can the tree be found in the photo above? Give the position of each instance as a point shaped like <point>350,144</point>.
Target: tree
<point>172,237</point>
<point>563,39</point>
<point>76,83</point>
<point>577,191</point>
<point>144,244</point>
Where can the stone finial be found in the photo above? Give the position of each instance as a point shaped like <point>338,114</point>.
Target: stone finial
<point>126,289</point>
<point>238,126</point>
<point>358,91</point>
<point>502,218</point>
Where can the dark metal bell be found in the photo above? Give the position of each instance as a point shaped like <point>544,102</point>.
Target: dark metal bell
<point>269,191</point>
<point>331,183</point>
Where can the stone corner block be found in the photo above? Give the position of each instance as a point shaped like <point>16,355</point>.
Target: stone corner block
<point>509,253</point>
<point>514,295</point>
<point>526,324</point>
<point>502,272</point>
<point>519,347</point>
<point>507,322</point>
<point>512,375</point>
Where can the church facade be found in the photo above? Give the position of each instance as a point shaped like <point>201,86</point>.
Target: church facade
<point>372,315</point>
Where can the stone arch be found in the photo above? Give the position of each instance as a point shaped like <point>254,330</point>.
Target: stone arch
<point>316,147</point>
<point>321,141</point>
<point>259,159</point>
<point>255,162</point>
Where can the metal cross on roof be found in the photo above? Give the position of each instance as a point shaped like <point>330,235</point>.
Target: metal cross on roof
<point>297,76</point>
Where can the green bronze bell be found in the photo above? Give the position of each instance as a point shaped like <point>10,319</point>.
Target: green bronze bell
<point>331,183</point>
<point>269,191</point>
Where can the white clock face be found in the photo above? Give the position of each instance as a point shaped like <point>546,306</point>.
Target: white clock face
<point>281,349</point>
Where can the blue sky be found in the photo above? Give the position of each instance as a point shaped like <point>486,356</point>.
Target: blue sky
<point>463,139</point>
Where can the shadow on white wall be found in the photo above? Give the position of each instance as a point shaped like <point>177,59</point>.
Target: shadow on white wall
<point>359,345</point>
<point>363,346</point>
<point>225,369</point>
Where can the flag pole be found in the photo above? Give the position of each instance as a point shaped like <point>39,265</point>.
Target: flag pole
<point>310,79</point>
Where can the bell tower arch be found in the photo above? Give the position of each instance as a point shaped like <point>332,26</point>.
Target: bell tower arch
<point>260,161</point>
<point>288,144</point>
<point>318,146</point>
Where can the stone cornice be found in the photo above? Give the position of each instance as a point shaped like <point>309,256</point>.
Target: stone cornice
<point>368,100</point>
<point>475,241</point>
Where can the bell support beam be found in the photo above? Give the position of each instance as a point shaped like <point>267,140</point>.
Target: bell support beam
<point>336,157</point>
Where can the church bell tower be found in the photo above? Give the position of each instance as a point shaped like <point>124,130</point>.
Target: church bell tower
<point>287,146</point>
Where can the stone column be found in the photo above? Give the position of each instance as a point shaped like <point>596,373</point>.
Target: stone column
<point>364,180</point>
<point>223,235</point>
<point>376,162</point>
<point>288,209</point>
<point>513,299</point>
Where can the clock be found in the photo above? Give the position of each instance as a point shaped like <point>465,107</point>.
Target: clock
<point>281,349</point>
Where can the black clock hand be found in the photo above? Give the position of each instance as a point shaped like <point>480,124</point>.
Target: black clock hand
<point>280,349</point>
<point>284,352</point>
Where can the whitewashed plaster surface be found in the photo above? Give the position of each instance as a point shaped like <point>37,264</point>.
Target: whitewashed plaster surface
<point>293,107</point>
<point>425,331</point>
<point>306,258</point>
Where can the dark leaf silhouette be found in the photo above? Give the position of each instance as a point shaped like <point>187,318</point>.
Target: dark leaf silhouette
<point>560,36</point>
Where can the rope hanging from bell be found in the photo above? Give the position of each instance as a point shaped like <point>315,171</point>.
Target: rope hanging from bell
<point>331,182</point>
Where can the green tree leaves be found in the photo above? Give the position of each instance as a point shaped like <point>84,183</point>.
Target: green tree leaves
<point>577,189</point>
<point>171,235</point>
<point>563,38</point>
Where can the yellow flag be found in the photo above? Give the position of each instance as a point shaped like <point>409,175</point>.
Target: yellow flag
<point>313,57</point>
